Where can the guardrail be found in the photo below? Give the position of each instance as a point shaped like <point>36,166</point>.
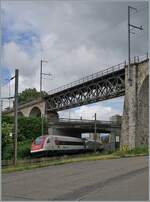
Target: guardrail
<point>109,70</point>
<point>85,121</point>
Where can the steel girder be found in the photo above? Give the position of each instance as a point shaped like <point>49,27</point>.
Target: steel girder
<point>102,88</point>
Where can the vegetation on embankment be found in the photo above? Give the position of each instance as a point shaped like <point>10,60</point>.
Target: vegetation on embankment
<point>72,159</point>
<point>28,128</point>
<point>23,150</point>
<point>139,151</point>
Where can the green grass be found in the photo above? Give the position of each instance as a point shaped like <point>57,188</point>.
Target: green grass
<point>83,157</point>
<point>139,151</point>
<point>21,167</point>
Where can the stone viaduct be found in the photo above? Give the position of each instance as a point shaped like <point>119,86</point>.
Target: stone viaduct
<point>31,109</point>
<point>135,120</point>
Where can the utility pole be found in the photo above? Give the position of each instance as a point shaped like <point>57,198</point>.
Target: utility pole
<point>41,73</point>
<point>16,116</point>
<point>9,95</point>
<point>1,105</point>
<point>42,124</point>
<point>129,43</point>
<point>95,133</point>
<point>8,89</point>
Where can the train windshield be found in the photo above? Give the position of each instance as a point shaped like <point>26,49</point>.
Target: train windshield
<point>39,140</point>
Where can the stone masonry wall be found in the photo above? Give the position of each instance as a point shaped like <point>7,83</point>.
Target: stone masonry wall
<point>134,131</point>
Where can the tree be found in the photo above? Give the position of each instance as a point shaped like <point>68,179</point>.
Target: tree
<point>29,95</point>
<point>6,138</point>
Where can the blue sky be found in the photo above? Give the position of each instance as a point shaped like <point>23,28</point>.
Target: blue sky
<point>5,75</point>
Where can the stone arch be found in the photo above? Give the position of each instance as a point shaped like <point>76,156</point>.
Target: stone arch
<point>35,112</point>
<point>20,114</point>
<point>143,113</point>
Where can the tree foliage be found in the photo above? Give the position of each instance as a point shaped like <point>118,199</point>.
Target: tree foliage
<point>29,95</point>
<point>28,128</point>
<point>6,130</point>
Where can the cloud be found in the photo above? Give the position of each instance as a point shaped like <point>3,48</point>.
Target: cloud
<point>87,112</point>
<point>77,38</point>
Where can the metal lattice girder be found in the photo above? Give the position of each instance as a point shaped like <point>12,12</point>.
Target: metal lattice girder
<point>101,88</point>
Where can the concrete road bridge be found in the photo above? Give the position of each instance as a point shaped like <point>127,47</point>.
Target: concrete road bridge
<point>76,127</point>
<point>107,84</point>
<point>84,125</point>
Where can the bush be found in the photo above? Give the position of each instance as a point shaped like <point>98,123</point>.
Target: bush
<point>7,152</point>
<point>6,139</point>
<point>23,150</point>
<point>143,150</point>
<point>28,128</point>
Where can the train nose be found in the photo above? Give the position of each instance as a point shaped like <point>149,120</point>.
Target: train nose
<point>38,143</point>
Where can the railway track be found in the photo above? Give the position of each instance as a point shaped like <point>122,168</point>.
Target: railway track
<point>7,163</point>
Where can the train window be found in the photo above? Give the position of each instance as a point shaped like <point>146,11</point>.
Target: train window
<point>70,143</point>
<point>48,141</point>
<point>38,140</point>
<point>57,141</point>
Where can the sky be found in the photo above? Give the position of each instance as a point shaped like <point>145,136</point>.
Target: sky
<point>77,38</point>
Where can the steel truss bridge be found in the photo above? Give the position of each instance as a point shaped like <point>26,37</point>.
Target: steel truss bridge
<point>106,84</point>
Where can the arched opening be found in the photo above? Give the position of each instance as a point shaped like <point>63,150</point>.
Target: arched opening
<point>20,114</point>
<point>143,114</point>
<point>35,112</point>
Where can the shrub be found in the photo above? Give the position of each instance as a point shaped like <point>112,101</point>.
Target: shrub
<point>7,152</point>
<point>143,150</point>
<point>28,128</point>
<point>23,150</point>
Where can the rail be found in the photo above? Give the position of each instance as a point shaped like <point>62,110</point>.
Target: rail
<point>6,163</point>
<point>40,160</point>
<point>109,70</point>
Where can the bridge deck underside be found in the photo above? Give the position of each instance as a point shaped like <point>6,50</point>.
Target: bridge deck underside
<point>86,127</point>
<point>102,88</point>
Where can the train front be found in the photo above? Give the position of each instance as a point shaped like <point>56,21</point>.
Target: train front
<point>37,147</point>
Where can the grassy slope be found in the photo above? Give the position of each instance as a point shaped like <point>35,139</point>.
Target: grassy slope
<point>83,157</point>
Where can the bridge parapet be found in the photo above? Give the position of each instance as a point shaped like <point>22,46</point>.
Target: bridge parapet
<point>82,121</point>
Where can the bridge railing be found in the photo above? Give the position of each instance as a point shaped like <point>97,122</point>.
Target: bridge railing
<point>109,70</point>
<point>85,121</point>
<point>88,78</point>
<point>138,59</point>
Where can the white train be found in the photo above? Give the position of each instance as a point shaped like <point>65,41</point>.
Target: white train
<point>56,144</point>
